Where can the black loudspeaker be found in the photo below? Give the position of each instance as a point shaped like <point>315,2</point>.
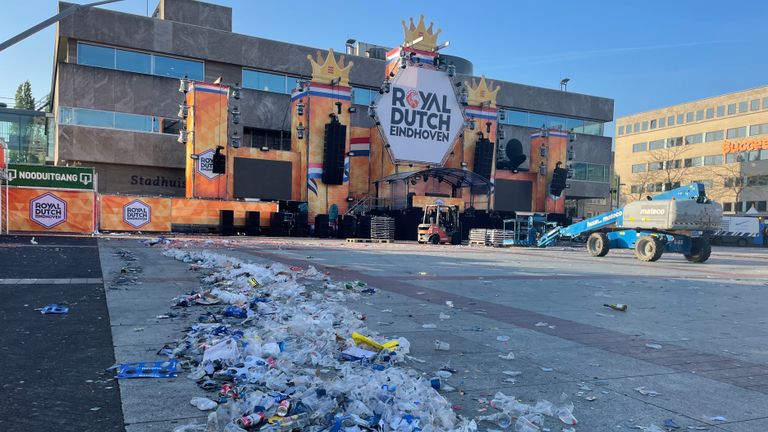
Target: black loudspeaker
<point>219,163</point>
<point>559,177</point>
<point>483,157</point>
<point>252,223</point>
<point>364,227</point>
<point>226,222</point>
<point>348,227</point>
<point>280,224</point>
<point>334,152</point>
<point>514,152</point>
<point>322,226</point>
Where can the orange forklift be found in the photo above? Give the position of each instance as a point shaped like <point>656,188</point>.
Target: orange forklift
<point>440,224</point>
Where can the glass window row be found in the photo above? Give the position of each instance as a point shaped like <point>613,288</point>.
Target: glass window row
<point>591,172</point>
<point>719,135</point>
<point>118,120</point>
<point>699,115</point>
<point>535,120</point>
<point>139,62</point>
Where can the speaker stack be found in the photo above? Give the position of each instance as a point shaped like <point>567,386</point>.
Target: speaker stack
<point>334,151</point>
<point>226,222</point>
<point>483,157</point>
<point>252,223</point>
<point>322,226</point>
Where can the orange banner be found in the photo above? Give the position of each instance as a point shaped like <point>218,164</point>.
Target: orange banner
<point>134,213</point>
<point>206,212</point>
<point>50,210</point>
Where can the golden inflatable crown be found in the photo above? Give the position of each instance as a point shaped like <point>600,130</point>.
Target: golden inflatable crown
<point>479,93</point>
<point>325,71</point>
<point>414,32</point>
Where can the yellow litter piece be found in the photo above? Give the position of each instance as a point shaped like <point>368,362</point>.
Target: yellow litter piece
<point>254,283</point>
<point>365,340</point>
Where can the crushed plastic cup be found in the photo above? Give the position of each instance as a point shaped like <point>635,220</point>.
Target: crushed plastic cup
<point>501,419</point>
<point>203,404</point>
<point>442,346</point>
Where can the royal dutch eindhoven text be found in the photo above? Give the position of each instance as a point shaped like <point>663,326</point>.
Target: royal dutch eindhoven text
<point>420,115</point>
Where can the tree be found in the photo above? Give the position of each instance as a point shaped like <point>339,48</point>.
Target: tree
<point>729,180</point>
<point>24,99</point>
<point>665,166</point>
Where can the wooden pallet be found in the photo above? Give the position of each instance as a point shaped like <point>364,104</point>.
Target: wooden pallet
<point>369,240</point>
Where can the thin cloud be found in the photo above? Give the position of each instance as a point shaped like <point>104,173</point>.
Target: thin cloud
<point>581,55</point>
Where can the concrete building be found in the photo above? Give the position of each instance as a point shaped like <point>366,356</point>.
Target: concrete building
<point>115,95</point>
<point>721,141</point>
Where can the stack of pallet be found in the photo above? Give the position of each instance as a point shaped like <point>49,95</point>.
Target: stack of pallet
<point>489,237</point>
<point>382,227</point>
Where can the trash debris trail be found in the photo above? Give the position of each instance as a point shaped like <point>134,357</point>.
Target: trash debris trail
<point>277,349</point>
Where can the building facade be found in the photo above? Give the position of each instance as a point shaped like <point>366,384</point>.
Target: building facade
<point>720,141</point>
<point>116,100</point>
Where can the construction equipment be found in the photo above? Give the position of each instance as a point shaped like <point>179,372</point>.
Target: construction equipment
<point>527,228</point>
<point>679,220</point>
<point>440,224</point>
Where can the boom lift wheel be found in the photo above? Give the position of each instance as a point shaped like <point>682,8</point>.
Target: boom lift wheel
<point>700,250</point>
<point>597,244</point>
<point>435,239</point>
<point>648,248</point>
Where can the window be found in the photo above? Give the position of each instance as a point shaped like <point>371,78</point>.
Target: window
<point>728,207</point>
<point>754,105</point>
<point>272,139</point>
<point>742,107</point>
<point>671,120</point>
<point>710,113</point>
<point>674,142</point>
<point>645,125</point>
<point>657,144</point>
<point>736,132</point>
<point>689,117</point>
<point>264,81</point>
<point>361,96</point>
<point>639,147</point>
<point>638,168</point>
<point>764,154</point>
<point>734,157</point>
<point>118,120</point>
<point>699,115</point>
<point>653,124</point>
<point>655,166</point>
<point>731,109</point>
<point>713,136</point>
<point>713,160</point>
<point>662,122</point>
<point>135,61</point>
<point>760,129</point>
<point>761,206</point>
<point>693,139</point>
<point>679,119</point>
<point>692,162</point>
<point>765,103</point>
<point>636,189</point>
<point>596,173</point>
<point>579,170</point>
<point>721,110</point>
<point>673,164</point>
<point>93,55</point>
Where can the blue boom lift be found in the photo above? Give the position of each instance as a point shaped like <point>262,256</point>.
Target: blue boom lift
<point>674,221</point>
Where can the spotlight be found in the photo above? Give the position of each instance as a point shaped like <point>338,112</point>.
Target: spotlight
<point>403,62</point>
<point>265,148</point>
<point>502,115</point>
<point>425,177</point>
<point>352,109</point>
<point>235,115</point>
<point>543,151</point>
<point>463,96</point>
<point>471,124</point>
<point>234,92</point>
<point>300,108</point>
<point>385,87</point>
<point>338,107</point>
<point>300,131</point>
<point>571,136</point>
<point>440,179</point>
<point>235,140</point>
<point>372,110</point>
<point>413,181</point>
<point>501,134</point>
<point>183,111</point>
<point>571,153</point>
<point>488,127</point>
<point>182,137</point>
<point>542,169</point>
<point>451,70</point>
<point>184,85</point>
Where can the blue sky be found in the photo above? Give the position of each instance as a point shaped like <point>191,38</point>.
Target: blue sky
<point>644,55</point>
